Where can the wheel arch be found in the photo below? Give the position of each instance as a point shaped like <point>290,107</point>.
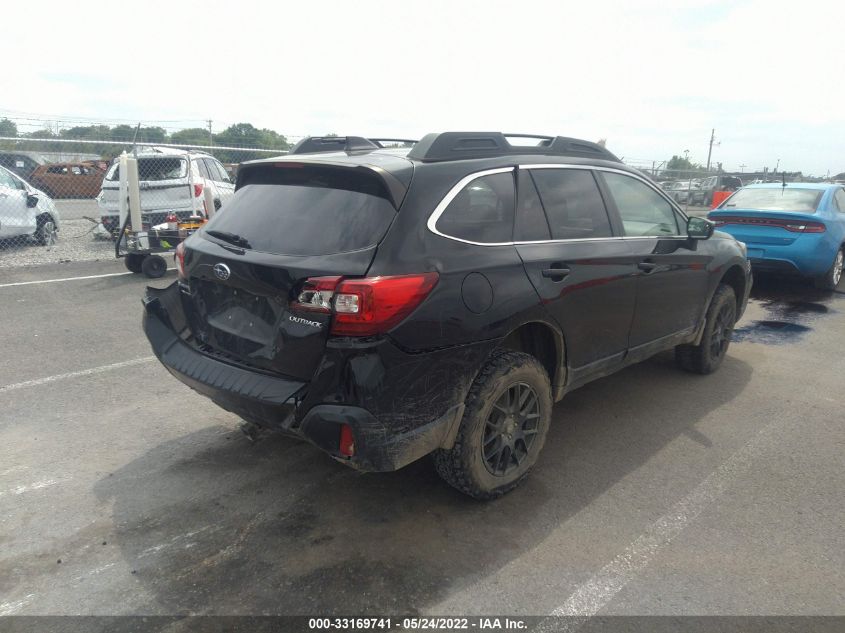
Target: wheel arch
<point>735,278</point>
<point>545,343</point>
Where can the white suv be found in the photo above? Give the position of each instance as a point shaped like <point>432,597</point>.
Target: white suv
<point>171,182</point>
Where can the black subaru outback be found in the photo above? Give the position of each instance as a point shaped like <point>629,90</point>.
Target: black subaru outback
<point>388,303</point>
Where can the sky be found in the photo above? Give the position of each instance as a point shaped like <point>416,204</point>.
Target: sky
<point>652,77</point>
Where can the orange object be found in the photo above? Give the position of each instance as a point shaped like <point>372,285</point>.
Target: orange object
<point>719,198</point>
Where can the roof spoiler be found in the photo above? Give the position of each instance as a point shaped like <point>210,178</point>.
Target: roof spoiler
<point>446,146</point>
<point>349,144</point>
<point>320,144</point>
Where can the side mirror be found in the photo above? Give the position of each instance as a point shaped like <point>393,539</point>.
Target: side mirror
<point>700,228</point>
<point>31,200</point>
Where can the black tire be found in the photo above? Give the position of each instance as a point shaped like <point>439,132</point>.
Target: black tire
<point>706,357</point>
<point>46,232</point>
<point>830,280</point>
<point>133,262</point>
<point>154,266</point>
<point>488,423</point>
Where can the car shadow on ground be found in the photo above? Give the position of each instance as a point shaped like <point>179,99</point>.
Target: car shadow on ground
<point>212,524</point>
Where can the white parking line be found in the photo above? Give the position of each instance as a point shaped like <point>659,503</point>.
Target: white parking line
<point>75,374</point>
<point>53,281</point>
<point>9,608</point>
<point>597,592</point>
<point>37,485</point>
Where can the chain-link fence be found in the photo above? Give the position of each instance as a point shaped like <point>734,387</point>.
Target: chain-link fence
<point>61,201</point>
<point>65,200</point>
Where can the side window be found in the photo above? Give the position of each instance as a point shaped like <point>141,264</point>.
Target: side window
<point>482,211</point>
<point>218,172</point>
<point>839,200</point>
<point>573,204</point>
<point>203,169</point>
<point>643,211</point>
<point>531,224</point>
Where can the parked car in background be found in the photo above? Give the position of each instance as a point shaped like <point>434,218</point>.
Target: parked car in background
<point>797,228</point>
<point>20,163</point>
<point>26,211</point>
<point>171,182</point>
<point>679,191</point>
<point>68,180</point>
<point>703,195</point>
<point>386,304</point>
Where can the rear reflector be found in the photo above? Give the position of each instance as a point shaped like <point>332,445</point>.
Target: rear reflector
<point>794,226</point>
<point>347,441</point>
<point>179,257</point>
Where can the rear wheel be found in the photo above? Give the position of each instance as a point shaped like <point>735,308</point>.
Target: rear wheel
<point>706,357</point>
<point>154,266</point>
<point>504,426</point>
<point>830,280</point>
<point>133,262</point>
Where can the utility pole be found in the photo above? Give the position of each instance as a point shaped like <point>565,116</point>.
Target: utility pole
<point>710,151</point>
<point>210,133</point>
<point>742,168</point>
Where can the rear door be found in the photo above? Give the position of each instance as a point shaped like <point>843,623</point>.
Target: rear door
<point>582,272</point>
<point>284,225</point>
<point>672,279</point>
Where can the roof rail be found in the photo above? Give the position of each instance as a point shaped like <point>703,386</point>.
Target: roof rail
<point>381,141</point>
<point>446,146</point>
<point>317,144</point>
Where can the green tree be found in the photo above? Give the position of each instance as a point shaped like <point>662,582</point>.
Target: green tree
<point>8,128</point>
<point>247,135</point>
<point>191,136</point>
<point>679,163</point>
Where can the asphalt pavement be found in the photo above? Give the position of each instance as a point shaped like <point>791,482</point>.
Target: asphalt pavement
<point>658,492</point>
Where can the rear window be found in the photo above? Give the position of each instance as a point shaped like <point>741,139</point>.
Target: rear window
<point>775,199</point>
<point>158,168</point>
<point>306,211</point>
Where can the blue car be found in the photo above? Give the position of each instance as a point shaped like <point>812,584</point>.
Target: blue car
<point>796,228</point>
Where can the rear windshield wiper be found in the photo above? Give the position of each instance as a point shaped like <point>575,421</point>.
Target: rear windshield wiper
<point>232,238</point>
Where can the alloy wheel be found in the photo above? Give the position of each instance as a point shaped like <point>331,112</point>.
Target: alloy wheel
<point>510,429</point>
<point>722,329</point>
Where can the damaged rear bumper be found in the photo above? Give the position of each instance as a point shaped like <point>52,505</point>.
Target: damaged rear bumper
<point>284,404</point>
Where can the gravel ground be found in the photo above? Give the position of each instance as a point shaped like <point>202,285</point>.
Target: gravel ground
<point>77,243</point>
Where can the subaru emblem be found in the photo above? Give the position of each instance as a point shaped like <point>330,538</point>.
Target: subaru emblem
<point>222,272</point>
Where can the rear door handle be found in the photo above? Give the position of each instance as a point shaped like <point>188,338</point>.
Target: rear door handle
<point>553,273</point>
<point>647,267</point>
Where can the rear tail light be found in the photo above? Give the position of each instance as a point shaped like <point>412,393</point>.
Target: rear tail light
<point>368,306</point>
<point>347,441</point>
<point>197,190</point>
<point>179,257</point>
<point>794,226</point>
<point>316,294</point>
